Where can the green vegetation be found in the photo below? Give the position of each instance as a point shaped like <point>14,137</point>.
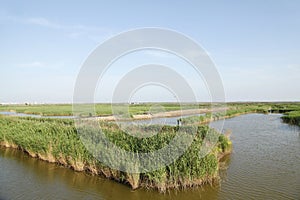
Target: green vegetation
<point>46,109</point>
<point>101,109</point>
<point>56,140</point>
<point>144,108</point>
<point>234,109</point>
<point>292,117</point>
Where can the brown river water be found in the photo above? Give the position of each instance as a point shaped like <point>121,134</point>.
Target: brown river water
<point>265,164</point>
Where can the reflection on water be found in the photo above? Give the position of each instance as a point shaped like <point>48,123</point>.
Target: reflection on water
<point>264,165</point>
<point>22,177</point>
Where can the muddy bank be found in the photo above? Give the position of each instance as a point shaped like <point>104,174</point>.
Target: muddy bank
<point>133,180</point>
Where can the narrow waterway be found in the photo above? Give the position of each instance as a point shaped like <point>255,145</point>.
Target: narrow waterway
<point>264,164</point>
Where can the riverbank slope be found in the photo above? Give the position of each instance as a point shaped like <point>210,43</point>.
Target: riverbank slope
<point>57,141</point>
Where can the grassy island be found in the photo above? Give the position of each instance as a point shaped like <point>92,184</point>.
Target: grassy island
<point>57,141</point>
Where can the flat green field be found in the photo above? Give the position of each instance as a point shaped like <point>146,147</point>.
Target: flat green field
<point>291,110</point>
<point>101,109</point>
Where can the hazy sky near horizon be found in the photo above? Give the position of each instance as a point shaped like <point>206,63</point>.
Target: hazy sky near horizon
<point>254,44</point>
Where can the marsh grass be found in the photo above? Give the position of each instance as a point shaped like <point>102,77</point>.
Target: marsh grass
<point>292,117</point>
<point>235,109</point>
<point>56,140</point>
<point>100,109</point>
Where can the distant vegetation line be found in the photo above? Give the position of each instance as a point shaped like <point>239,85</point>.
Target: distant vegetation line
<point>290,111</point>
<point>100,109</point>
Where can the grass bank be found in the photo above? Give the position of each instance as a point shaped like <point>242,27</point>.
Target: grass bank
<point>292,117</point>
<point>290,110</point>
<point>232,111</point>
<point>56,140</point>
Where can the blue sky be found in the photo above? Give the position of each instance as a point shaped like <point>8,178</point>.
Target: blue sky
<point>254,44</point>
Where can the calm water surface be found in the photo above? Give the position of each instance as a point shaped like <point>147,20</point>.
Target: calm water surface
<point>265,164</point>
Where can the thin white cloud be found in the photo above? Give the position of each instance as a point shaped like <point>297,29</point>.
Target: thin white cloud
<point>165,54</point>
<point>39,64</point>
<point>72,31</point>
<point>43,22</point>
<point>34,64</point>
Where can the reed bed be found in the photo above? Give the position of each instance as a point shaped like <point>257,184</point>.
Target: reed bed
<point>57,140</point>
<point>235,109</point>
<point>292,117</point>
<point>232,111</point>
